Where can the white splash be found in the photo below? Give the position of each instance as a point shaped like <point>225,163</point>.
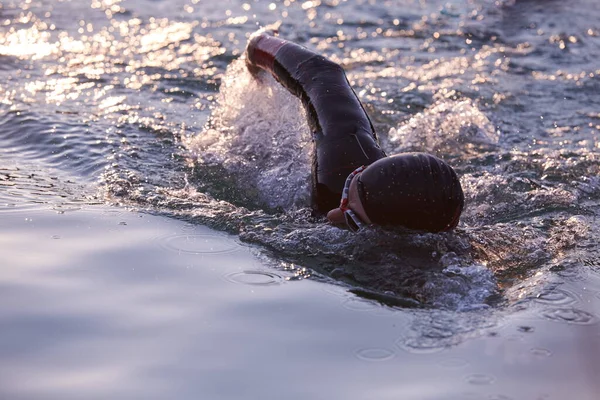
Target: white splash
<point>448,127</point>
<point>257,132</point>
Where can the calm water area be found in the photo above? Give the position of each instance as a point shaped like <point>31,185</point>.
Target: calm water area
<point>156,238</point>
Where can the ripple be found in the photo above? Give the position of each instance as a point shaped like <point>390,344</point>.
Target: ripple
<point>435,332</point>
<point>422,345</point>
<point>254,278</point>
<point>188,227</point>
<point>540,352</point>
<point>356,304</point>
<point>375,354</point>
<point>480,379</point>
<point>65,208</point>
<point>570,316</point>
<point>337,291</point>
<point>20,206</point>
<point>113,212</point>
<point>198,244</point>
<point>556,297</point>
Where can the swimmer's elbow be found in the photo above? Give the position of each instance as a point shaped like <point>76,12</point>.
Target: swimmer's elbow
<point>333,66</point>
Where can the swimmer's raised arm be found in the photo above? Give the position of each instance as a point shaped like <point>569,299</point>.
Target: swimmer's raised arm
<point>341,129</point>
<point>319,83</point>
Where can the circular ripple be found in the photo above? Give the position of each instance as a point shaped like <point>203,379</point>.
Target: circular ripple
<point>254,278</point>
<point>198,244</point>
<point>438,333</point>
<point>188,227</point>
<point>375,354</point>
<point>540,352</point>
<point>570,316</point>
<point>421,345</point>
<point>355,304</point>
<point>480,379</point>
<point>113,212</point>
<point>556,297</point>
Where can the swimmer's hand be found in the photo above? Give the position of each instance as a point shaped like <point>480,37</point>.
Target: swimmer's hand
<point>269,30</point>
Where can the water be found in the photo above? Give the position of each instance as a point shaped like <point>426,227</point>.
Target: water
<point>224,276</point>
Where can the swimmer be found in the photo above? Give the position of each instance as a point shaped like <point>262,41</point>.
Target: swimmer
<point>353,181</point>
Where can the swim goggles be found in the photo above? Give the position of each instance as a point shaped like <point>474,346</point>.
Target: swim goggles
<point>353,221</point>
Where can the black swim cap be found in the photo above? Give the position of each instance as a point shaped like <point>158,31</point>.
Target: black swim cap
<point>414,190</point>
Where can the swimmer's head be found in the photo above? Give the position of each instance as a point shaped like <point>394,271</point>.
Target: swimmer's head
<point>413,190</point>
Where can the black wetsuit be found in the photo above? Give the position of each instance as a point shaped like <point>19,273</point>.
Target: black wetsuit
<point>342,131</point>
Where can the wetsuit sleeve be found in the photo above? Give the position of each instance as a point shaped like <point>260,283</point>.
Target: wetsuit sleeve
<point>342,131</point>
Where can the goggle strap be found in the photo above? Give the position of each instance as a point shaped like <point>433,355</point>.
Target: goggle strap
<point>344,200</point>
<point>351,216</point>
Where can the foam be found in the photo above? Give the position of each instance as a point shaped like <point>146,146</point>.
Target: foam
<point>446,127</point>
<point>257,133</point>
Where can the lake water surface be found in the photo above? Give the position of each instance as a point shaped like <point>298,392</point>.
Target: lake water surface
<point>156,239</point>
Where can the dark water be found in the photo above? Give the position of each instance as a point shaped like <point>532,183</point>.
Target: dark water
<point>146,105</point>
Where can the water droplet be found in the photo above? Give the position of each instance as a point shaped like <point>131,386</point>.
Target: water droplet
<point>570,316</point>
<point>375,354</point>
<point>254,278</point>
<point>480,379</point>
<point>198,244</point>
